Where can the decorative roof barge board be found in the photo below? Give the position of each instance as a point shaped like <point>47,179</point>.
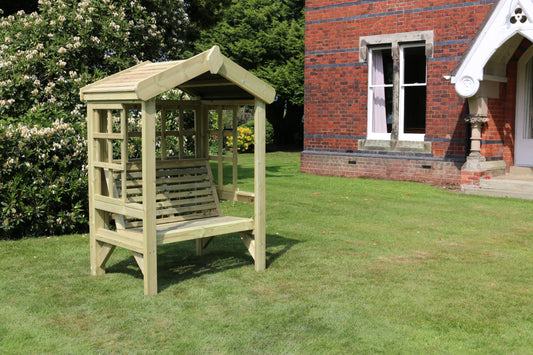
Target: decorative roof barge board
<point>171,198</point>
<point>508,22</point>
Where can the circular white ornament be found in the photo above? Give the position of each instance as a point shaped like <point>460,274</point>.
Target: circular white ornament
<point>467,86</point>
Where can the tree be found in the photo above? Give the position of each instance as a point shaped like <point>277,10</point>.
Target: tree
<point>266,37</point>
<point>10,7</point>
<point>47,56</point>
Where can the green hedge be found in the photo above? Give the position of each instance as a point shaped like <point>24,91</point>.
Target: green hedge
<point>43,181</point>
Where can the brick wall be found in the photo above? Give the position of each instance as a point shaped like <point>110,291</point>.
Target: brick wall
<point>336,88</point>
<point>391,168</point>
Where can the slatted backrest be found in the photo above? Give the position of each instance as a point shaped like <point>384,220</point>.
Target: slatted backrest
<point>184,190</point>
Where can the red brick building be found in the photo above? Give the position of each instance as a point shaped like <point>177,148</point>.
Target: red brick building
<point>433,91</point>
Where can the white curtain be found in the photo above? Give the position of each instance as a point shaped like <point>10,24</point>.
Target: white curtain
<point>379,119</point>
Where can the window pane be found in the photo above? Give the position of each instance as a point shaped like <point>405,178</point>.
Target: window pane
<point>414,65</point>
<point>382,62</point>
<point>414,109</point>
<point>382,110</point>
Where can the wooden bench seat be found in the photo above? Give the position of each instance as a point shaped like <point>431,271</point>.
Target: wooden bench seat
<point>197,228</point>
<point>187,205</point>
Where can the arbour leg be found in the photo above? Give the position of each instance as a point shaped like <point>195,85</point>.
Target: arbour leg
<point>249,242</point>
<point>201,245</point>
<point>149,251</point>
<point>100,254</point>
<point>259,185</point>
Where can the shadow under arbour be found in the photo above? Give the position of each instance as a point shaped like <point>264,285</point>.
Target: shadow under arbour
<point>177,262</point>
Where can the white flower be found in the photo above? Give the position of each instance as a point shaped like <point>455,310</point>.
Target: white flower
<point>62,50</point>
<point>61,63</point>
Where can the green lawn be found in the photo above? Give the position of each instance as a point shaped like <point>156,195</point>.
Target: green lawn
<point>354,266</point>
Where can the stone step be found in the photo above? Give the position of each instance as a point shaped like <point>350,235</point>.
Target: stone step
<point>499,193</point>
<point>507,183</point>
<point>521,171</point>
<point>518,183</point>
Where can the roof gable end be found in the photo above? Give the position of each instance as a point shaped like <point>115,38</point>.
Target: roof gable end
<point>506,19</point>
<point>147,80</point>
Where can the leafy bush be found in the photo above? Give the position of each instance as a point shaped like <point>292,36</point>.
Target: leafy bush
<point>47,56</point>
<point>43,180</point>
<point>269,134</point>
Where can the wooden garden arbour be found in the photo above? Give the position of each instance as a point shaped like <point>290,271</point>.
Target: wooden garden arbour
<point>135,193</point>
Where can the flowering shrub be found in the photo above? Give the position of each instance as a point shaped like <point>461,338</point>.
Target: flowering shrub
<point>43,181</point>
<point>269,130</point>
<point>46,57</point>
<point>245,139</point>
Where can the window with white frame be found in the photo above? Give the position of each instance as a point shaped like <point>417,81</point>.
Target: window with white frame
<point>409,85</point>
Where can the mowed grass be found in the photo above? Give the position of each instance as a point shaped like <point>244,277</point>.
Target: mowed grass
<point>354,266</point>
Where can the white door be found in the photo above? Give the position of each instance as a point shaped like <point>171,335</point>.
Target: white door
<point>524,111</point>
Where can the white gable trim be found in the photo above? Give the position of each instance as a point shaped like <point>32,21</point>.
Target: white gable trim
<point>502,23</point>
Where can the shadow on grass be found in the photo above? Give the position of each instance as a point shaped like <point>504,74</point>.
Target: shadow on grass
<point>177,262</point>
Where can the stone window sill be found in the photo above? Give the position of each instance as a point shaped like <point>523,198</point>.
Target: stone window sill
<point>395,146</point>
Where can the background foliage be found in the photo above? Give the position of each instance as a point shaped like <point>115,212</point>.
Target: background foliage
<point>43,181</point>
<point>267,38</point>
<point>47,55</point>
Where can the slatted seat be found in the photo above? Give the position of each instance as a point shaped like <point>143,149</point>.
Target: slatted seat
<point>187,206</point>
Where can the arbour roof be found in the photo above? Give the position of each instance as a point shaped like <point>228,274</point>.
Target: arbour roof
<point>208,75</point>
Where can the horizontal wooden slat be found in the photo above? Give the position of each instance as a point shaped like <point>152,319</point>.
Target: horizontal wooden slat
<point>116,206</point>
<point>128,239</point>
<point>108,135</point>
<point>168,164</point>
<point>174,195</point>
<point>240,196</point>
<point>170,188</point>
<point>112,166</point>
<point>184,201</point>
<point>188,209</point>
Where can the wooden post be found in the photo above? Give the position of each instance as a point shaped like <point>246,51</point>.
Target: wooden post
<point>220,140</point>
<point>259,185</point>
<point>235,173</point>
<point>95,268</point>
<point>163,134</point>
<point>148,198</point>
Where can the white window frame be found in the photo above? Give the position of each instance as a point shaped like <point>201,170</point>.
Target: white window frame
<point>370,104</point>
<point>401,135</point>
<point>394,40</point>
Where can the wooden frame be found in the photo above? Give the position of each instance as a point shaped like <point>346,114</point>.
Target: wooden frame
<point>128,204</point>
